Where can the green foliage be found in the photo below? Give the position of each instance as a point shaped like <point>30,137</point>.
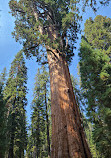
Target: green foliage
<point>30,142</point>
<point>88,127</point>
<point>38,144</point>
<point>95,69</point>
<point>78,93</point>
<point>15,95</point>
<point>3,118</point>
<point>52,23</point>
<point>98,32</point>
<point>102,132</point>
<point>94,3</point>
<point>53,17</point>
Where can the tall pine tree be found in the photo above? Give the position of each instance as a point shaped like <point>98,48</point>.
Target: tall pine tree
<point>15,94</point>
<point>40,115</point>
<point>3,118</point>
<point>95,69</point>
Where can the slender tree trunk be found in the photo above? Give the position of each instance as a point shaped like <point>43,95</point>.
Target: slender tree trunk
<point>34,153</point>
<point>47,123</point>
<point>20,152</point>
<point>38,138</point>
<point>11,147</point>
<point>68,139</point>
<point>1,155</point>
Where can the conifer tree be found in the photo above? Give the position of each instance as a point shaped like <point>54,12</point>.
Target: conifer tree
<point>53,24</point>
<point>15,95</point>
<point>88,127</point>
<point>30,144</point>
<point>95,69</point>
<point>3,118</point>
<point>40,117</point>
<point>48,30</point>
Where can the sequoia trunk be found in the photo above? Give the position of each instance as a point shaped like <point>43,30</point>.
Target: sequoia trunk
<point>68,139</point>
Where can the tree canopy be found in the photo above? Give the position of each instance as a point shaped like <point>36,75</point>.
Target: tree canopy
<point>95,69</point>
<point>46,23</point>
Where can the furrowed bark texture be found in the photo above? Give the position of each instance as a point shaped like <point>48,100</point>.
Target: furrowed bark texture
<point>68,139</point>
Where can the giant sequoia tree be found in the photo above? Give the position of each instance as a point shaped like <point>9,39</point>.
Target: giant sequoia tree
<point>95,69</point>
<point>51,26</point>
<point>15,95</point>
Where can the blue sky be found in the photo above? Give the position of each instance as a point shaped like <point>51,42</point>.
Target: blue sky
<point>9,48</point>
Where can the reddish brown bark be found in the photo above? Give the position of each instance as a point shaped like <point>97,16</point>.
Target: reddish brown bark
<point>68,139</point>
